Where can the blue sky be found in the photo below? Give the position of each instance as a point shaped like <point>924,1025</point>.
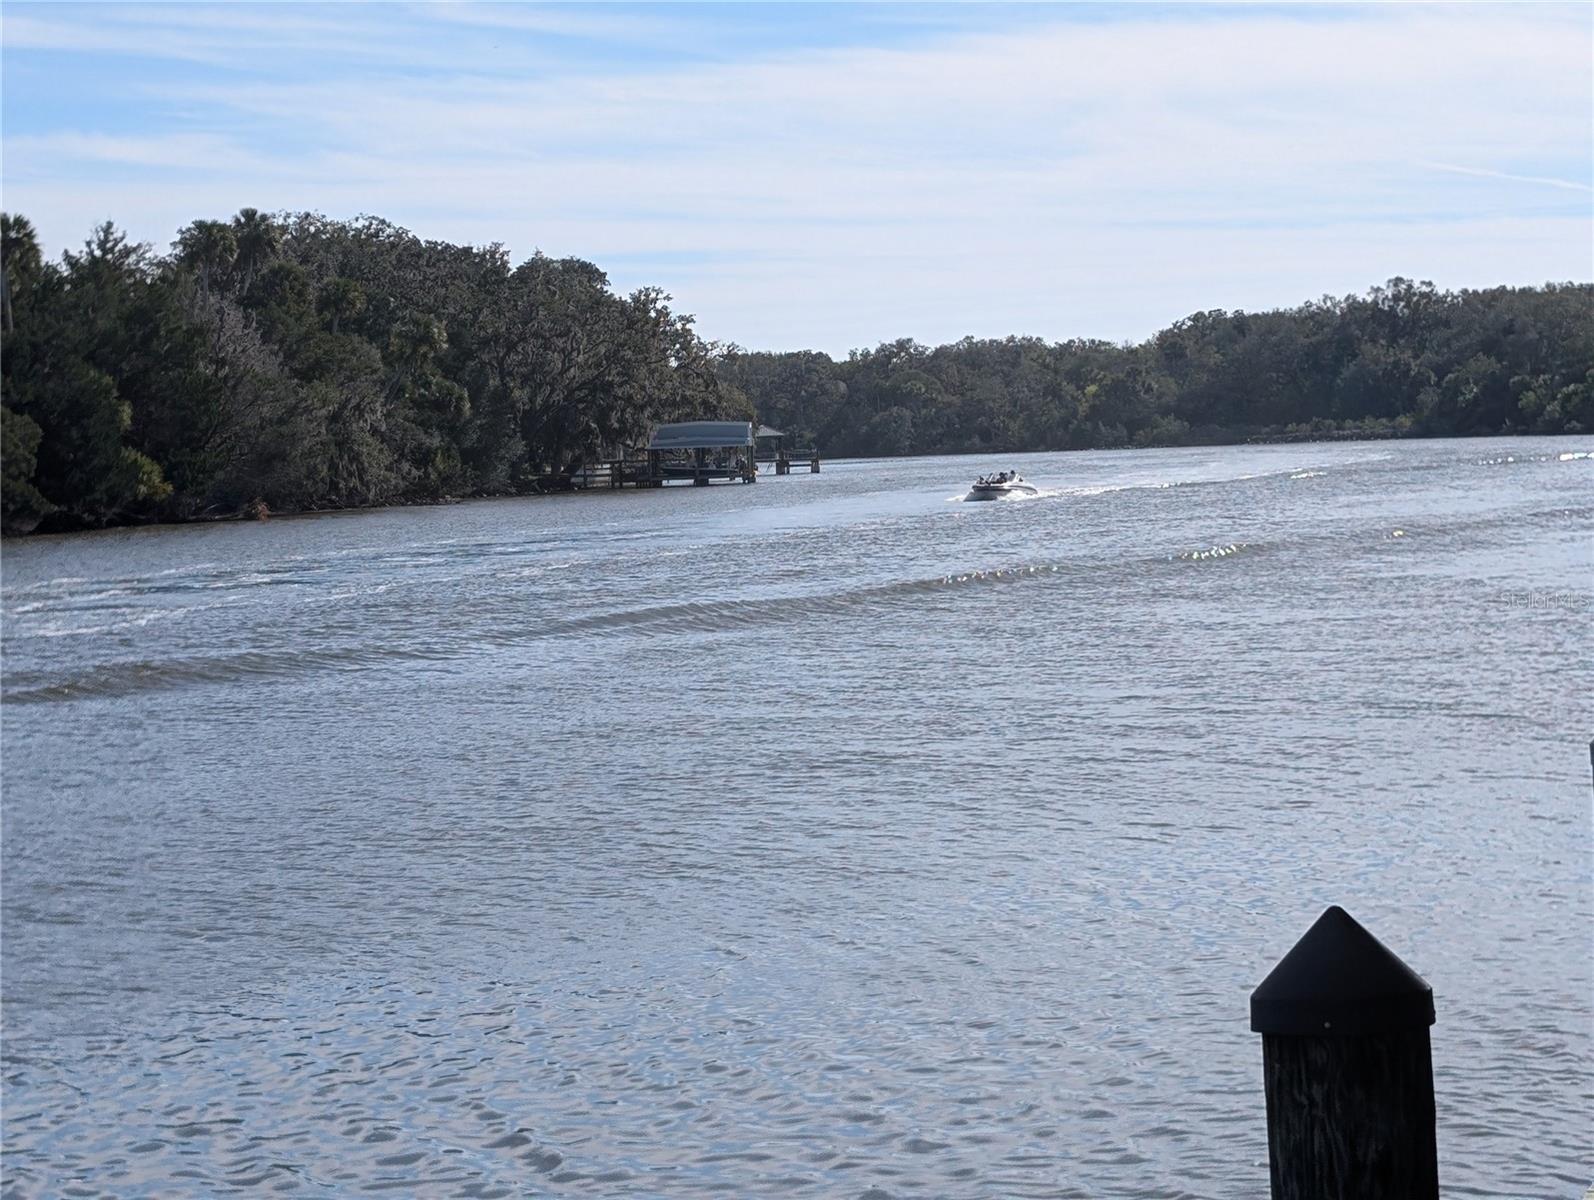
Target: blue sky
<point>830,175</point>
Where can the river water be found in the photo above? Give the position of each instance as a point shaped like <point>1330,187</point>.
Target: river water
<point>826,837</point>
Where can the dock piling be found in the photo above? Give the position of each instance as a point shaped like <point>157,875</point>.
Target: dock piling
<point>1347,1068</point>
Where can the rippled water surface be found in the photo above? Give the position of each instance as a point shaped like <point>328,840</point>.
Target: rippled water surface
<point>826,837</point>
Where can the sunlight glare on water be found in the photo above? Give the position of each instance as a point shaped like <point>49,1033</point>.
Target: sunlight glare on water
<point>816,838</point>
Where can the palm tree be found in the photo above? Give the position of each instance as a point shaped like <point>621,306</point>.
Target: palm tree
<point>20,260</point>
<point>210,248</point>
<point>259,240</point>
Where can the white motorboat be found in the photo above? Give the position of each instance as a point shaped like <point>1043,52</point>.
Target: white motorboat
<point>1000,486</point>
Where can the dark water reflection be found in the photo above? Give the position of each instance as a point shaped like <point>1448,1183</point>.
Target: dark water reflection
<point>826,837</point>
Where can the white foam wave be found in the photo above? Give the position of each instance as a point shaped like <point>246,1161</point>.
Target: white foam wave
<point>349,593</point>
<point>1567,456</point>
<point>999,573</point>
<point>116,619</point>
<point>45,585</point>
<point>1213,552</point>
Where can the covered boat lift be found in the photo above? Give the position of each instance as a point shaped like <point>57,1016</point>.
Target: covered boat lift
<point>701,451</point>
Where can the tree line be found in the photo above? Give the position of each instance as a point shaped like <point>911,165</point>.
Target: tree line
<point>294,362</point>
<point>290,362</point>
<point>1404,360</point>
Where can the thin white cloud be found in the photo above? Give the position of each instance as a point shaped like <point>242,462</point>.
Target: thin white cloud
<point>33,156</point>
<point>197,35</point>
<point>238,36</point>
<point>594,22</point>
<point>1054,181</point>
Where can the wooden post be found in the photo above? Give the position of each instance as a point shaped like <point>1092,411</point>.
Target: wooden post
<point>1347,1068</point>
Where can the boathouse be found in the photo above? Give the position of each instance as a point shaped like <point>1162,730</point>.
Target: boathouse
<point>695,451</point>
<point>701,451</point>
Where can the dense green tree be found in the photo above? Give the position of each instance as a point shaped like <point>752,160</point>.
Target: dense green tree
<point>340,300</point>
<point>67,321</point>
<point>307,362</point>
<point>1404,359</point>
<point>21,502</point>
<point>803,393</point>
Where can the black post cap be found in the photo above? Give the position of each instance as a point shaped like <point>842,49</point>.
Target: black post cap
<point>1340,980</point>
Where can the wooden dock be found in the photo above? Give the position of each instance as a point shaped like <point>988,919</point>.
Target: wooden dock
<point>783,462</point>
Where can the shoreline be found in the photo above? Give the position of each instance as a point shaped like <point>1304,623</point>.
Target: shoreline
<point>243,514</point>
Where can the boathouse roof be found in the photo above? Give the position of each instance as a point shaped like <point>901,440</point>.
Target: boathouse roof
<point>707,435</point>
<point>765,431</point>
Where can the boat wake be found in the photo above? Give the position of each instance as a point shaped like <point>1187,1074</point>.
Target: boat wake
<point>1036,494</point>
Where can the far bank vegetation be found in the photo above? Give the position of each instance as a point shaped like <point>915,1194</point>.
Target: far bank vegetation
<point>290,362</point>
